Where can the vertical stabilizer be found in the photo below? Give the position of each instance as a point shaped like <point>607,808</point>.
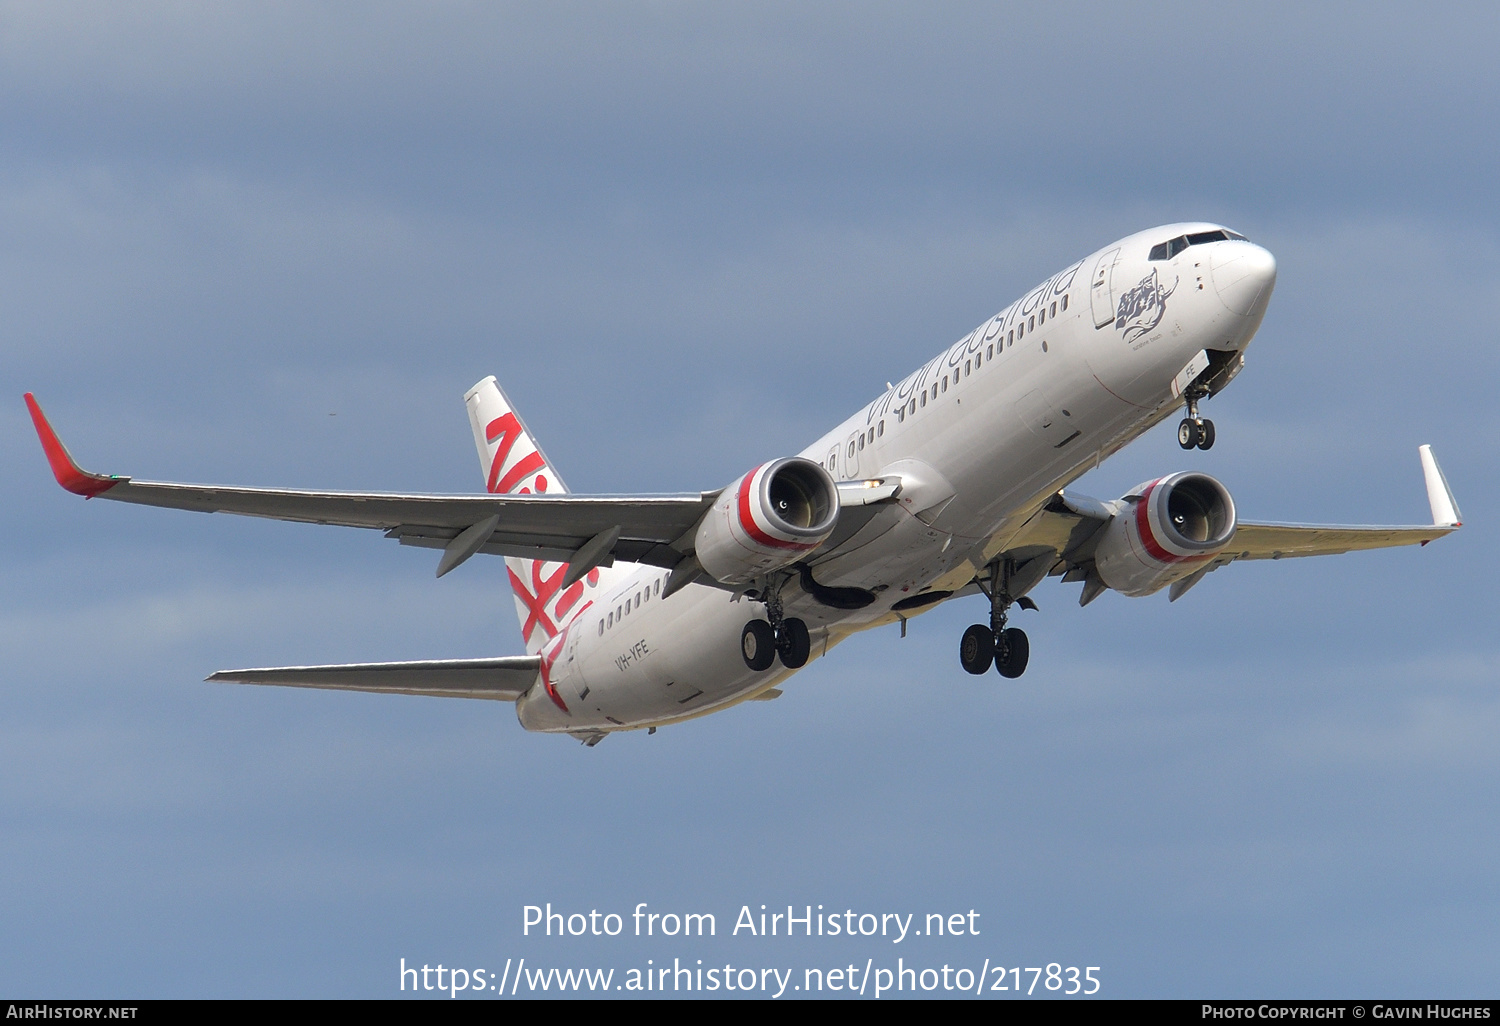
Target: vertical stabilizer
<point>513,464</point>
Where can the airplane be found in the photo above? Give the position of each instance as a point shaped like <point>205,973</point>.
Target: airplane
<point>643,611</point>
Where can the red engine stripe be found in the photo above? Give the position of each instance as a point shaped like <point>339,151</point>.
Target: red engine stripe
<point>1148,537</point>
<point>747,521</point>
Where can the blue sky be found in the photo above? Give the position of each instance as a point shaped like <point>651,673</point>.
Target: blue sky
<point>273,245</point>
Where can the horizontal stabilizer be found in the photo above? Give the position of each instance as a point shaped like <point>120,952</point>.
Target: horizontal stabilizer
<point>503,678</point>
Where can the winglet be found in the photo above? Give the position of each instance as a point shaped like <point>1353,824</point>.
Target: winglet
<point>1444,510</point>
<point>68,473</point>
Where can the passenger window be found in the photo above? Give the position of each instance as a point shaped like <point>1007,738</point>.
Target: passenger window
<point>880,428</point>
<point>611,619</point>
<point>658,585</point>
<point>1054,309</point>
<point>601,628</point>
<point>966,368</point>
<point>989,354</point>
<point>1043,318</point>
<point>934,389</point>
<point>1021,330</point>
<point>861,441</point>
<point>978,359</point>
<point>851,450</point>
<point>913,407</point>
<point>637,600</point>
<point>1010,339</point>
<point>619,615</point>
<point>945,382</point>
<point>1065,302</point>
<point>872,434</point>
<point>1031,323</point>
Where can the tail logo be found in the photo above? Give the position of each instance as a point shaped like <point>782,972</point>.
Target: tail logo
<point>506,429</point>
<point>513,464</point>
<point>540,593</point>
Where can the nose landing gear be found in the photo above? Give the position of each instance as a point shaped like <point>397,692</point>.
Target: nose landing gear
<point>1006,648</point>
<point>1194,432</point>
<point>786,636</point>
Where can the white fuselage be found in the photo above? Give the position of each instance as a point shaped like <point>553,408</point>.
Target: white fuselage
<point>981,436</point>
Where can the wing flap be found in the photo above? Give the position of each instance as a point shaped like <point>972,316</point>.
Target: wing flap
<point>554,548</point>
<point>503,678</point>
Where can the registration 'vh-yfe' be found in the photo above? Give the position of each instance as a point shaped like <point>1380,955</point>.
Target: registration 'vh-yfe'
<point>640,611</point>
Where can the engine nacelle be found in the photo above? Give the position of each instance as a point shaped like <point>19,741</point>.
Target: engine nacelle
<point>1178,524</point>
<point>768,519</point>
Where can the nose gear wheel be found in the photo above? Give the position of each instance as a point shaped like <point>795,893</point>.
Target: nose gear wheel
<point>1194,432</point>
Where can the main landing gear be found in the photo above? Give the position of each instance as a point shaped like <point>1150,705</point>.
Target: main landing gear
<point>1194,432</point>
<point>763,640</point>
<point>1006,648</point>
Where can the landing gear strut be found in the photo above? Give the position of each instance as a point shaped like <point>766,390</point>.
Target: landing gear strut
<point>1006,648</point>
<point>763,640</point>
<point>1194,432</point>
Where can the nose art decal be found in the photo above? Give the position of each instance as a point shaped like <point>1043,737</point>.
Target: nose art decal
<point>1142,308</point>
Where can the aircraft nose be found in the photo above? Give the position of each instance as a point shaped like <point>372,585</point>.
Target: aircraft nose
<point>1244,275</point>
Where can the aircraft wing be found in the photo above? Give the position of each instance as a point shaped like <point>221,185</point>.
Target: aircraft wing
<point>584,531</point>
<point>1062,536</point>
<point>503,679</point>
<point>1255,540</point>
<point>638,529</point>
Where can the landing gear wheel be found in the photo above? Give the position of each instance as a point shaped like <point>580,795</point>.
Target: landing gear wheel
<point>1206,435</point>
<point>1012,652</point>
<point>793,644</point>
<point>1189,434</point>
<point>758,645</point>
<point>977,649</point>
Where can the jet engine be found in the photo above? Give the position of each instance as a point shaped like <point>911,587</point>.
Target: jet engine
<point>767,520</point>
<point>1170,528</point>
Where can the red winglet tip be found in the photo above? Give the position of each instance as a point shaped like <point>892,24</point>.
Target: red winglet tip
<point>68,474</point>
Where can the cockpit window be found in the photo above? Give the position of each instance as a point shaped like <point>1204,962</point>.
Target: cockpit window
<point>1167,250</point>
